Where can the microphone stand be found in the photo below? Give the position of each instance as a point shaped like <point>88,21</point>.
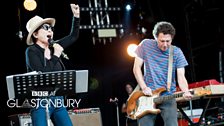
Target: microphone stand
<point>48,116</point>
<point>117,108</point>
<point>118,122</point>
<point>47,107</point>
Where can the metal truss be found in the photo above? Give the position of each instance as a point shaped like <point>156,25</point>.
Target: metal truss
<point>100,21</point>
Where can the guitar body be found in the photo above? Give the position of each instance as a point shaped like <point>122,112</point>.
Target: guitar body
<point>139,104</point>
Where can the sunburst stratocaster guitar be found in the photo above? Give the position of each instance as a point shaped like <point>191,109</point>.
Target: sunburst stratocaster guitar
<point>139,104</point>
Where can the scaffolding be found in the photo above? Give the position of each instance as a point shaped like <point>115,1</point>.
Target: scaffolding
<point>100,21</point>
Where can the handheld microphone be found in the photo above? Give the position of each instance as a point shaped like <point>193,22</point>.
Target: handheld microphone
<point>52,42</point>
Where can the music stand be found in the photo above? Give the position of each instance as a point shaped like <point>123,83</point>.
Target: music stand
<point>25,86</point>
<point>68,82</point>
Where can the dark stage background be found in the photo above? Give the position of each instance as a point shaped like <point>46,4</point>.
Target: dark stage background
<point>199,26</point>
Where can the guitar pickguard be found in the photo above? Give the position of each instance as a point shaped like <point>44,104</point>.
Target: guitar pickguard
<point>146,105</point>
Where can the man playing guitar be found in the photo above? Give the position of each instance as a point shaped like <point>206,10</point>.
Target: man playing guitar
<point>154,54</point>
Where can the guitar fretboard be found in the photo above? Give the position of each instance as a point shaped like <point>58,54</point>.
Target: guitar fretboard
<point>160,99</point>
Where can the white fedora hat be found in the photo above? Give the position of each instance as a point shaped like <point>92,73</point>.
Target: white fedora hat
<point>35,23</point>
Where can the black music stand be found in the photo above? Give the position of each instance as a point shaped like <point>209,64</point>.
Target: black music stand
<point>64,82</point>
<point>57,83</point>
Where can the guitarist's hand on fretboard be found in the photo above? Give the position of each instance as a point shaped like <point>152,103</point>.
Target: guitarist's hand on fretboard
<point>147,91</point>
<point>187,95</point>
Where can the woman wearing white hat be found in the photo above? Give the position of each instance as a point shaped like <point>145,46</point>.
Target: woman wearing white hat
<point>41,56</point>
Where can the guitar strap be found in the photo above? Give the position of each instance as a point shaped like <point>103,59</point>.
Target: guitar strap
<point>170,67</point>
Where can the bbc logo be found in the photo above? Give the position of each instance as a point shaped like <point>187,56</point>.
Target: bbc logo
<point>40,93</point>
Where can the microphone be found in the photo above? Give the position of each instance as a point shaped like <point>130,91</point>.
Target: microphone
<point>51,42</point>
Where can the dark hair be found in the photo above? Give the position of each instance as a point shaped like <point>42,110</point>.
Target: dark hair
<point>129,83</point>
<point>33,39</point>
<point>165,28</point>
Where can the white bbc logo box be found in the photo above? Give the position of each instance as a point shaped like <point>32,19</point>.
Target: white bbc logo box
<point>40,93</point>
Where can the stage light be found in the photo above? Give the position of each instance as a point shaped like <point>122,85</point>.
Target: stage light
<point>30,5</point>
<point>143,30</point>
<point>128,7</point>
<point>131,50</point>
<point>122,31</point>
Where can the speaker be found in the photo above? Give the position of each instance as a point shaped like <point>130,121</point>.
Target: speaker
<point>20,120</point>
<point>79,117</point>
<point>86,117</point>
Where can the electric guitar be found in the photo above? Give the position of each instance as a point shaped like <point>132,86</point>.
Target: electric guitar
<point>138,104</point>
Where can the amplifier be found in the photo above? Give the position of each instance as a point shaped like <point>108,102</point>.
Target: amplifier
<point>86,117</point>
<point>79,117</point>
<point>20,120</point>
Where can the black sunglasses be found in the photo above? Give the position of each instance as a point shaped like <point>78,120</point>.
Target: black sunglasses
<point>47,27</point>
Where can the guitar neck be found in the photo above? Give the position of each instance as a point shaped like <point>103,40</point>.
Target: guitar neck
<point>160,99</point>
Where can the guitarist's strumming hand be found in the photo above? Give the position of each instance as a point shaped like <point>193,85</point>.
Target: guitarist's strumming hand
<point>147,91</point>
